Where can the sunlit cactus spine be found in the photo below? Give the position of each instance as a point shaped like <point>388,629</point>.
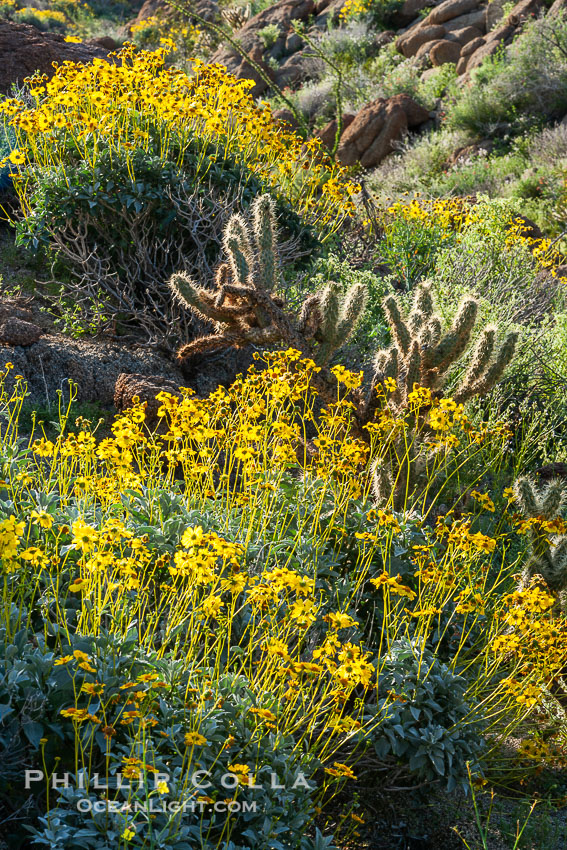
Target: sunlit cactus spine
<point>244,305</point>
<point>330,318</point>
<point>548,553</point>
<point>421,355</point>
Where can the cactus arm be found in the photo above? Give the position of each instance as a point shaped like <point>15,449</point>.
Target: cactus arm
<point>526,495</point>
<point>422,309</point>
<point>353,307</point>
<point>455,342</point>
<point>492,374</point>
<point>480,360</point>
<point>413,369</point>
<point>208,306</point>
<point>553,499</point>
<point>310,319</point>
<point>239,251</point>
<point>400,331</point>
<point>204,344</point>
<point>329,312</point>
<point>265,232</point>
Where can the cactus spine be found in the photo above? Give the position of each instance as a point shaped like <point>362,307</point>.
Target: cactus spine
<point>548,554</point>
<point>245,308</point>
<point>421,354</point>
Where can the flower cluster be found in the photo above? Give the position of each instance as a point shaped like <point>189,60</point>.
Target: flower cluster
<point>236,552</point>
<point>139,104</point>
<point>446,219</point>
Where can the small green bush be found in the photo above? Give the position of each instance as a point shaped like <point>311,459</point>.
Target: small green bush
<point>425,729</point>
<point>46,20</point>
<point>520,87</point>
<point>269,35</point>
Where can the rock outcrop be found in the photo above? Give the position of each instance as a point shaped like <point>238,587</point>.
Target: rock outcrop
<point>279,15</point>
<point>145,388</point>
<point>464,32</point>
<point>207,9</point>
<point>374,130</point>
<point>25,50</point>
<point>15,331</point>
<point>329,132</point>
<point>48,360</point>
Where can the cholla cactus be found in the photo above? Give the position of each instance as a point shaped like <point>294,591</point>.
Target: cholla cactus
<point>548,555</point>
<point>245,309</point>
<point>422,354</point>
<point>330,319</point>
<point>244,305</point>
<point>236,16</point>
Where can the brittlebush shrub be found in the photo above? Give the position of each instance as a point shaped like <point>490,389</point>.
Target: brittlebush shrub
<point>142,150</point>
<point>62,15</point>
<point>212,595</point>
<point>416,237</point>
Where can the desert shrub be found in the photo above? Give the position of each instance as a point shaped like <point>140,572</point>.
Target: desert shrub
<point>483,174</point>
<point>423,167</point>
<point>167,218</point>
<point>139,116</point>
<point>550,146</point>
<point>483,114</point>
<point>268,35</point>
<point>375,13</point>
<point>415,236</point>
<point>218,618</point>
<point>438,85</point>
<point>393,74</point>
<point>492,258</point>
<point>147,33</point>
<point>184,41</point>
<point>43,19</point>
<point>522,86</point>
<point>316,100</point>
<point>555,341</point>
<point>537,383</point>
<point>518,294</point>
<point>57,15</point>
<point>411,235</point>
<point>7,8</point>
<point>221,113</point>
<point>426,728</point>
<point>416,166</point>
<point>347,45</point>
